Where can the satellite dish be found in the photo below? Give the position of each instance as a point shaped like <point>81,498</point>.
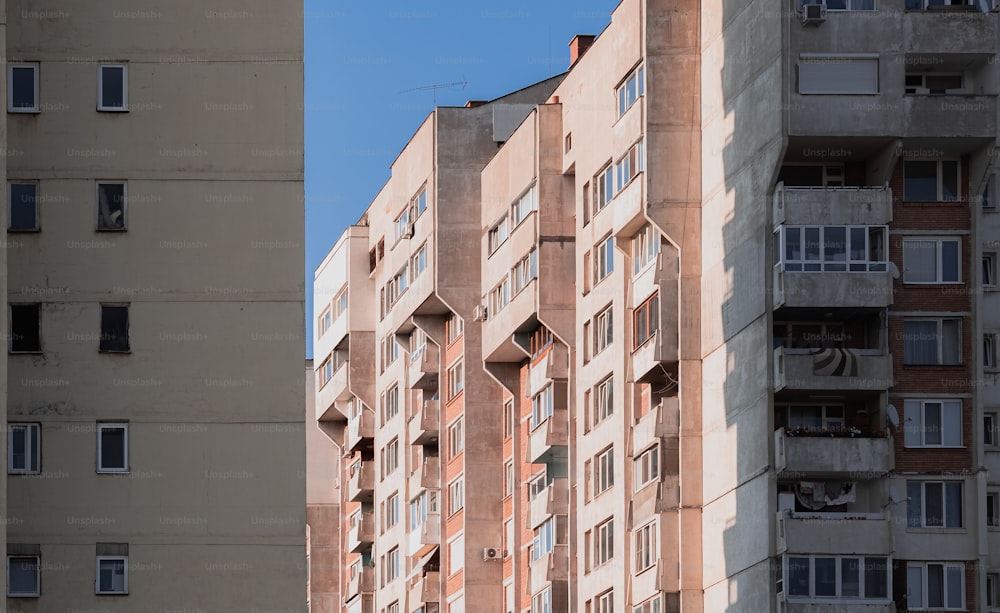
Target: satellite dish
<point>893,270</point>
<point>892,415</point>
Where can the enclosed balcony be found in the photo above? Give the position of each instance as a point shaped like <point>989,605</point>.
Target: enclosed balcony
<point>832,206</point>
<point>425,424</point>
<point>553,566</point>
<point>846,454</point>
<point>361,583</point>
<point>659,496</point>
<point>836,369</point>
<point>425,367</point>
<point>426,587</point>
<point>552,366</point>
<point>628,208</point>
<point>662,421</point>
<point>361,482</point>
<point>833,533</point>
<point>548,501</point>
<point>811,607</point>
<point>426,536</point>
<point>360,430</point>
<point>951,116</point>
<point>361,534</point>
<point>548,439</point>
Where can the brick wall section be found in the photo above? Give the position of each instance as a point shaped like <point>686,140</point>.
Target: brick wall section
<point>452,409</point>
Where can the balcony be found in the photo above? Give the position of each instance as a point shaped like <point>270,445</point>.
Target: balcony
<point>816,369</point>
<point>361,535</point>
<point>361,483</point>
<point>832,206</point>
<point>426,536</point>
<point>553,500</point>
<point>950,116</point>
<point>426,588</point>
<point>424,426</point>
<point>847,605</point>
<point>855,458</point>
<point>655,580</point>
<point>547,437</point>
<point>360,430</point>
<point>943,30</point>
<point>553,366</point>
<point>425,367</point>
<point>657,497</point>
<point>362,604</point>
<point>328,395</point>
<point>663,420</point>
<point>833,533</point>
<point>628,208</point>
<point>829,289</point>
<point>649,359</point>
<point>362,583</point>
<point>553,566</point>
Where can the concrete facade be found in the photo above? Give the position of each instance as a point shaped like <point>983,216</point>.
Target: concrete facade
<point>735,310</point>
<point>196,113</point>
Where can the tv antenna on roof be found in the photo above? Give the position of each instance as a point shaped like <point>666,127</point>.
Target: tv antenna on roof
<point>436,87</point>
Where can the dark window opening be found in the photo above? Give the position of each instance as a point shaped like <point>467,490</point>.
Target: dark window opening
<point>114,328</point>
<point>25,334</point>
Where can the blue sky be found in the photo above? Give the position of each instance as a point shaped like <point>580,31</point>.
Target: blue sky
<point>367,67</point>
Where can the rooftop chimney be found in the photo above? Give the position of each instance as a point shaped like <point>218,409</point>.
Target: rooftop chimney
<point>578,46</point>
<point>474,103</point>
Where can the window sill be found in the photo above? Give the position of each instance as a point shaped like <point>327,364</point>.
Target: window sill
<point>933,447</point>
<point>23,230</point>
<point>112,109</point>
<point>646,484</point>
<point>115,351</point>
<point>932,283</point>
<point>932,530</point>
<point>24,472</point>
<point>39,352</point>
<point>110,229</point>
<point>35,111</point>
<point>112,471</point>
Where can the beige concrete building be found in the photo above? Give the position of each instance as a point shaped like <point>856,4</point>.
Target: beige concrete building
<point>726,301</point>
<point>154,280</point>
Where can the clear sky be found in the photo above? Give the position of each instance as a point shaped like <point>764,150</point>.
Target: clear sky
<point>368,69</point>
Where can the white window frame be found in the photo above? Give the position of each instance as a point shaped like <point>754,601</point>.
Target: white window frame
<point>653,605</point>
<point>604,259</point>
<point>604,187</point>
<point>604,542</point>
<point>456,328</point>
<point>456,495</point>
<point>32,446</point>
<point>542,601</point>
<point>646,318</point>
<point>604,399</point>
<point>646,547</point>
<point>498,234</point>
<point>101,426</point>
<point>523,206</point>
<point>913,497</point>
<point>38,577</point>
<point>917,430</point>
<point>418,262</point>
<point>825,263</point>
<point>401,225</point>
<point>524,272</point>
<point>989,270</point>
<point>392,567</point>
<point>456,379</point>
<point>646,467</point>
<point>34,66</point>
<point>604,470</point>
<point>392,510</point>
<point>940,321</point>
<point>629,166</point>
<point>863,562</point>
<point>500,296</point>
<point>630,89</point>
<point>390,457</point>
<point>939,273</point>
<point>940,180</point>
<point>542,406</point>
<point>97,208</point>
<point>603,329</point>
<point>605,602</point>
<point>97,578</point>
<point>508,479</point>
<point>921,604</point>
<point>100,88</point>
<point>645,247</point>
<point>390,403</point>
<point>456,438</point>
<point>992,592</point>
<point>543,539</point>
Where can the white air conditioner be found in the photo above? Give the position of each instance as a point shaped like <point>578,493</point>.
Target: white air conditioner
<point>813,12</point>
<point>479,313</point>
<point>492,553</point>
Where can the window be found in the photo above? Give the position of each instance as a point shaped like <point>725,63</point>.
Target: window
<point>22,576</point>
<point>23,209</point>
<point>541,406</point>
<point>112,87</point>
<point>604,471</point>
<point>542,602</point>
<point>604,259</point>
<point>932,261</point>
<point>390,457</point>
<point>391,565</point>
<point>604,188</point>
<point>500,296</point>
<point>833,248</point>
<point>456,438</point>
<point>631,89</point>
<point>456,496</point>
<point>22,94</point>
<point>646,467</point>
<point>508,419</point>
<point>932,423</point>
<point>838,74</point>
<point>390,403</point>
<point>425,503</point>
<point>630,165</point>
<point>989,270</point>
<point>931,180</point>
<point>606,602</point>
<point>605,400</point>
<point>392,510</point>
<point>340,304</point>
<point>935,585</point>
<point>419,203</point>
<point>932,341</point>
<point>325,321</point>
<point>498,235</point>
<point>508,538</point>
<point>653,605</point>
<point>325,371</point>
<point>112,575</point>
<point>604,547</point>
<point>393,607</point>
<point>932,83</point>
<point>992,592</point>
<point>990,429</point>
<point>993,509</point>
<point>417,344</point>
<point>396,286</point>
<point>112,447</point>
<point>111,202</point>
<point>645,546</point>
<point>603,330</point>
<point>524,205</point>
<point>25,328</point>
<point>456,554</point>
<point>24,448</point>
<point>114,328</point>
<point>544,539</point>
<point>418,263</point>
<point>401,226</point>
<point>848,5</point>
<point>456,380</point>
<point>990,350</point>
<point>646,320</point>
<point>524,271</point>
<point>934,504</point>
<point>815,417</point>
<point>541,338</point>
<point>389,350</point>
<point>645,247</point>
<point>508,478</point>
<point>456,327</point>
<point>539,484</point>
<point>840,577</point>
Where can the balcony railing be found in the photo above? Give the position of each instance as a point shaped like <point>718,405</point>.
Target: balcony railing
<point>360,429</point>
<point>427,587</point>
<point>834,533</point>
<point>853,457</point>
<point>425,425</point>
<point>832,206</point>
<point>361,583</point>
<point>832,369</point>
<point>425,368</point>
<point>662,421</point>
<point>551,433</point>
<point>552,500</point>
<point>361,483</point>
<point>362,534</point>
<point>553,566</point>
<point>426,536</point>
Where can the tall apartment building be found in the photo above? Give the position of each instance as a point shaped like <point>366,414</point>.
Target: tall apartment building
<point>153,276</point>
<point>731,286</point>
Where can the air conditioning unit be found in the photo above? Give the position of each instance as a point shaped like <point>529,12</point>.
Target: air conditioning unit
<point>813,12</point>
<point>493,553</point>
<point>479,313</point>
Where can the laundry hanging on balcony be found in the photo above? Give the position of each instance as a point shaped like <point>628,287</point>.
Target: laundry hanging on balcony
<point>835,362</point>
<point>815,495</point>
